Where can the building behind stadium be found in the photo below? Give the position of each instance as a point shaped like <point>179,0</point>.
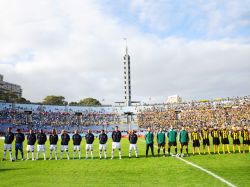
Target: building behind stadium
<point>10,87</point>
<point>174,99</point>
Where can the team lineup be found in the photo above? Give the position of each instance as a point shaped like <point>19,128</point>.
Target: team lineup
<point>219,136</point>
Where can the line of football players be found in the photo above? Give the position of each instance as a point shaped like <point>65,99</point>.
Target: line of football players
<point>218,136</point>
<point>221,136</point>
<point>41,139</point>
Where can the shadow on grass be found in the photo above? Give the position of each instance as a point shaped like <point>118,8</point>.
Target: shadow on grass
<point>11,169</point>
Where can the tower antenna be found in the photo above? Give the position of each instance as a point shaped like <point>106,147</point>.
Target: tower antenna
<point>126,43</point>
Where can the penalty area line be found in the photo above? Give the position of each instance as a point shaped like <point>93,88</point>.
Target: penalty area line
<point>202,169</point>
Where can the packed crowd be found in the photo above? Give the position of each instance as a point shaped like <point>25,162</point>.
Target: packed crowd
<point>41,119</point>
<point>57,118</point>
<point>228,112</point>
<point>217,113</point>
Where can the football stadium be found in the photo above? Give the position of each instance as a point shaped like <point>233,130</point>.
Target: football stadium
<point>206,168</point>
<point>168,105</point>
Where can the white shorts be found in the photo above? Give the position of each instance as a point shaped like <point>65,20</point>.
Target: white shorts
<point>30,148</point>
<point>41,148</point>
<point>77,147</point>
<point>133,146</point>
<point>103,147</point>
<point>53,147</point>
<point>89,147</point>
<point>7,147</point>
<point>116,145</point>
<point>64,147</point>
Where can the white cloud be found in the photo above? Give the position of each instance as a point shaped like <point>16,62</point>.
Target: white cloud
<point>76,49</point>
<point>208,18</point>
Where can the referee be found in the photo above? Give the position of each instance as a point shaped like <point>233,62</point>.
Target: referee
<point>149,137</point>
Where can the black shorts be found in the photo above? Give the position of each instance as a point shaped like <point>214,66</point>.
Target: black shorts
<point>172,144</point>
<point>184,144</point>
<point>216,141</point>
<point>206,142</point>
<point>224,141</point>
<point>196,143</point>
<point>236,142</point>
<point>246,142</point>
<point>161,145</point>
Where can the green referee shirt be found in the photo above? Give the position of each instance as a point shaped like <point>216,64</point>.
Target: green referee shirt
<point>149,137</point>
<point>172,134</point>
<point>161,138</point>
<point>183,138</point>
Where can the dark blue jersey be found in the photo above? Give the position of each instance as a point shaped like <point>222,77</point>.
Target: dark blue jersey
<point>77,138</point>
<point>65,139</point>
<point>9,137</point>
<point>133,138</point>
<point>31,138</point>
<point>41,138</point>
<point>19,138</point>
<point>103,138</point>
<point>89,138</point>
<point>53,139</point>
<point>116,136</point>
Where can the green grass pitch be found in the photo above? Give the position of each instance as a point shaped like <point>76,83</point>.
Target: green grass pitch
<point>168,171</point>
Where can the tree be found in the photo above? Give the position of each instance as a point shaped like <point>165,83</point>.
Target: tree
<point>89,102</point>
<point>54,100</point>
<point>8,97</point>
<point>73,104</point>
<point>22,100</point>
<point>12,98</point>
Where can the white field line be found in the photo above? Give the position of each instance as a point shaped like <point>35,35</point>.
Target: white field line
<point>207,171</point>
<point>202,169</point>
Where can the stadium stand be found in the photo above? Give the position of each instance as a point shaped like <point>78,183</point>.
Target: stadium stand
<point>231,111</point>
<point>26,116</point>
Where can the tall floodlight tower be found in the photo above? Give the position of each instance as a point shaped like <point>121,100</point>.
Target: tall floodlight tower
<point>127,77</point>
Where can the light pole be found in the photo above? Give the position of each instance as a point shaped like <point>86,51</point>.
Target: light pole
<point>129,119</point>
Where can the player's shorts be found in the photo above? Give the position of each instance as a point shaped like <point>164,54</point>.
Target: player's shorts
<point>216,141</point>
<point>224,141</point>
<point>184,144</point>
<point>116,145</point>
<point>196,143</point>
<point>246,142</point>
<point>77,148</point>
<point>103,147</point>
<point>236,142</point>
<point>30,148</point>
<point>206,142</point>
<point>161,145</point>
<point>7,147</point>
<point>172,144</point>
<point>133,146</point>
<point>53,147</point>
<point>41,148</point>
<point>89,147</point>
<point>64,147</point>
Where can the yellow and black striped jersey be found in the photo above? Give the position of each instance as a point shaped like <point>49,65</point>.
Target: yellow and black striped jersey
<point>195,136</point>
<point>224,133</point>
<point>205,134</point>
<point>245,135</point>
<point>235,135</point>
<point>215,133</point>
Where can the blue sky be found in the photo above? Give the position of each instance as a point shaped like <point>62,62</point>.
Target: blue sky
<point>189,19</point>
<point>196,49</point>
